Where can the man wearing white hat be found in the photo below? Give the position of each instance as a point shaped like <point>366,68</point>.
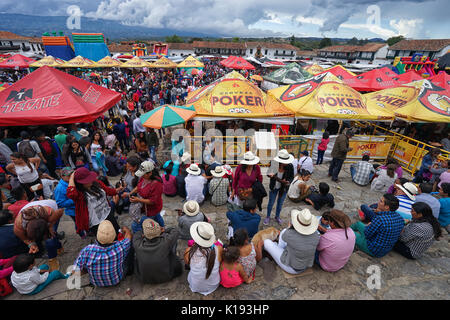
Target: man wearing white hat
<point>195,184</point>
<point>219,186</point>
<point>406,195</point>
<point>297,244</point>
<point>190,214</point>
<point>279,183</point>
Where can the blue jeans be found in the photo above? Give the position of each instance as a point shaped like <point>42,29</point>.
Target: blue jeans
<point>335,168</point>
<point>53,244</point>
<point>54,275</point>
<point>320,154</point>
<point>316,258</point>
<point>152,152</point>
<point>353,172</point>
<point>368,211</point>
<point>272,196</point>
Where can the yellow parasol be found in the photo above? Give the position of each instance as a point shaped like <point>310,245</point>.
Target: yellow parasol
<point>79,62</point>
<point>256,77</point>
<point>314,69</point>
<point>235,96</point>
<point>190,62</point>
<point>135,63</point>
<point>48,61</point>
<point>163,63</point>
<point>326,96</point>
<point>108,62</point>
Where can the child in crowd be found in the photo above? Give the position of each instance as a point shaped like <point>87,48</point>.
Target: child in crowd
<point>28,279</point>
<point>249,254</point>
<point>100,160</point>
<point>323,145</point>
<point>444,200</point>
<point>318,200</point>
<point>232,273</point>
<point>299,188</point>
<point>324,222</point>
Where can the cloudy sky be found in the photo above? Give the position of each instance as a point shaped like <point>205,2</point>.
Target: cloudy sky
<point>259,18</point>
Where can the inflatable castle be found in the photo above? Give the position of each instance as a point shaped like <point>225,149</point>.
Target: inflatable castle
<point>139,50</point>
<point>58,45</point>
<point>418,62</point>
<point>90,45</point>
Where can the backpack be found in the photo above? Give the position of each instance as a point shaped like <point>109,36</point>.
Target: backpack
<point>26,149</point>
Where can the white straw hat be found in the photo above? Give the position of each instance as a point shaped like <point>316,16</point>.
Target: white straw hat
<point>218,172</point>
<point>304,222</point>
<point>409,189</point>
<point>194,169</point>
<point>191,208</point>
<point>105,232</point>
<point>284,157</point>
<point>83,132</point>
<point>185,157</point>
<point>250,158</point>
<point>203,234</point>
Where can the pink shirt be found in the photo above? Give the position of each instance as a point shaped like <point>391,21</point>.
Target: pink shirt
<point>335,249</point>
<point>243,180</point>
<point>169,187</point>
<point>323,144</point>
<point>444,177</point>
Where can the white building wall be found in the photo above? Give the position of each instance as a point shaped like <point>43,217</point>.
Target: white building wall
<point>442,52</point>
<point>179,53</point>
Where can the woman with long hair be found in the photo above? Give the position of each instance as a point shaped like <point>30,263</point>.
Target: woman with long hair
<point>203,259</point>
<point>97,142</point>
<point>78,156</point>
<point>385,179</point>
<point>141,142</point>
<point>246,174</point>
<point>169,181</point>
<point>250,254</point>
<point>418,235</point>
<point>91,203</point>
<point>26,170</point>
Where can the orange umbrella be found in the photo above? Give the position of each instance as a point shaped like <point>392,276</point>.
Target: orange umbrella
<point>167,116</point>
<point>256,77</point>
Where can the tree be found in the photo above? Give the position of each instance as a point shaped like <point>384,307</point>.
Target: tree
<point>195,39</point>
<point>325,42</point>
<point>293,40</point>
<point>235,39</point>
<point>174,39</point>
<point>353,41</point>
<point>393,40</point>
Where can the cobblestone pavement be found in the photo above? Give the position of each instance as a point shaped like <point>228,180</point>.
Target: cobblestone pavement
<point>427,278</point>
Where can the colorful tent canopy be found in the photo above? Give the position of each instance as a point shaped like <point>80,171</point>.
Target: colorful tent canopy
<point>425,100</point>
<point>325,96</point>
<point>407,77</point>
<point>314,69</point>
<point>163,62</point>
<point>190,62</point>
<point>195,71</point>
<point>136,63</point>
<point>4,85</point>
<point>167,116</point>
<point>49,96</point>
<point>16,61</point>
<point>257,77</point>
<point>108,62</point>
<point>233,96</point>
<point>48,61</point>
<point>291,73</point>
<point>79,62</point>
<point>373,80</point>
<point>233,62</point>
<point>340,72</point>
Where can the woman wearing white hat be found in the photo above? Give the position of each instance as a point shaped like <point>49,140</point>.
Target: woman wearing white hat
<point>219,186</point>
<point>247,173</point>
<point>279,183</point>
<point>297,244</point>
<point>204,259</point>
<point>195,183</point>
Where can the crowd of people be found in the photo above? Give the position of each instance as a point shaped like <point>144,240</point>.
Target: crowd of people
<point>51,172</point>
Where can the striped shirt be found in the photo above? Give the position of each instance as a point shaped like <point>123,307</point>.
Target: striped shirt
<point>404,207</point>
<point>104,264</point>
<point>383,232</point>
<point>418,237</point>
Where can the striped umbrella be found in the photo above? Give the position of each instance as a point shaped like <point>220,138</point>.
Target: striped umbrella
<point>167,116</point>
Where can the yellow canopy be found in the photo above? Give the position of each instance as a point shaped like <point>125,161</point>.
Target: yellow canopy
<point>326,96</point>
<point>108,62</point>
<point>135,63</point>
<point>48,61</point>
<point>425,100</point>
<point>79,62</point>
<point>190,62</point>
<point>163,63</point>
<point>314,69</point>
<point>234,96</point>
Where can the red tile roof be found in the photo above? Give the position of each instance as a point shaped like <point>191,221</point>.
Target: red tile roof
<point>120,48</point>
<point>181,46</point>
<point>6,35</point>
<point>421,45</point>
<point>219,45</point>
<point>271,45</point>
<point>371,47</point>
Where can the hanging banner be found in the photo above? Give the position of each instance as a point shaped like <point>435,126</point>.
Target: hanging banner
<point>404,151</point>
<point>375,149</point>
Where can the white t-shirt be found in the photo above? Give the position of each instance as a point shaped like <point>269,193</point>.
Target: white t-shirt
<point>26,282</point>
<point>306,163</point>
<point>98,209</point>
<point>44,203</point>
<point>194,187</point>
<point>94,148</point>
<point>25,175</point>
<point>295,165</point>
<point>294,191</point>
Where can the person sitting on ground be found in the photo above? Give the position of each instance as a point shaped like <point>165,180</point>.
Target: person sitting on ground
<point>398,167</point>
<point>444,199</point>
<point>249,254</point>
<point>61,194</point>
<point>21,198</point>
<point>400,181</point>
<point>321,198</point>
<point>418,235</point>
<point>203,259</point>
<point>336,244</point>
<point>10,244</point>
<point>219,186</point>
<point>156,259</point>
<point>232,273</point>
<point>299,189</point>
<point>296,247</point>
<point>305,162</point>
<point>406,195</point>
<point>106,261</point>
<point>445,176</point>
<point>385,178</point>
<point>427,163</point>
<point>28,279</point>
<point>437,169</point>
<point>424,195</point>
<point>362,171</point>
<point>324,222</point>
<point>246,218</point>
<point>169,181</point>
<point>112,163</point>
<point>380,236</point>
<point>195,183</point>
<point>190,214</point>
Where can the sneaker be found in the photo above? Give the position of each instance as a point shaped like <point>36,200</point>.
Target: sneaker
<point>279,220</point>
<point>361,215</point>
<point>266,221</point>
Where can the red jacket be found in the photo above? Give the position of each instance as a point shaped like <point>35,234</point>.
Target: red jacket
<point>81,208</point>
<point>152,191</point>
